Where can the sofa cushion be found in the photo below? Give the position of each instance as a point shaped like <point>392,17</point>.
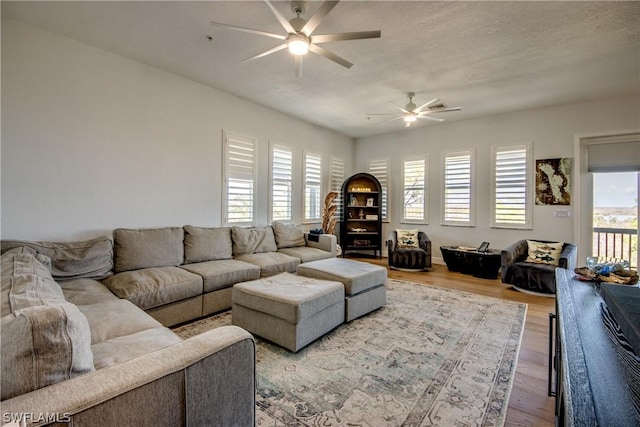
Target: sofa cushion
<point>146,248</point>
<point>49,344</point>
<point>223,273</point>
<point>288,235</point>
<point>153,287</point>
<point>26,283</point>
<point>306,254</point>
<point>544,253</point>
<point>271,263</point>
<point>71,260</point>
<point>86,291</point>
<point>252,240</point>
<point>206,244</point>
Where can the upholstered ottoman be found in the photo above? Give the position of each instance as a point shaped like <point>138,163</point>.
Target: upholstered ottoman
<point>287,309</point>
<point>363,283</point>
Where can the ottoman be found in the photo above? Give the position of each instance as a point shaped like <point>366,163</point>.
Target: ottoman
<point>287,309</point>
<point>363,283</point>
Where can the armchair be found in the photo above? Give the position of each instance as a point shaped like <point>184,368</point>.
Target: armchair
<point>533,277</point>
<point>402,258</point>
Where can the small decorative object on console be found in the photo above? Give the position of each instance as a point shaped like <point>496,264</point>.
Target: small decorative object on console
<point>608,270</point>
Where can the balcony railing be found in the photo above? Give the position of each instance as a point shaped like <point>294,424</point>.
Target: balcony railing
<point>621,243</point>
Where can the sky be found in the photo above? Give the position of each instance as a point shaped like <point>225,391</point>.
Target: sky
<point>618,189</point>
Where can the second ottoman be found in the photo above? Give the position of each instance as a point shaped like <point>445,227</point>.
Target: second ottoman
<point>363,283</point>
<point>287,309</point>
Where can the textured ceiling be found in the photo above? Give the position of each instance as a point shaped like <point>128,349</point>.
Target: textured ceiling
<point>485,57</point>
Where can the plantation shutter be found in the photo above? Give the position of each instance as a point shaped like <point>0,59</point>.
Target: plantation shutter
<point>281,183</point>
<point>239,155</point>
<point>312,186</point>
<point>380,169</point>
<point>414,191</point>
<point>511,186</point>
<point>457,189</point>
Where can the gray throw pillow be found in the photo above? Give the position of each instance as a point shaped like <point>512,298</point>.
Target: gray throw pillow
<point>207,244</point>
<point>288,235</point>
<point>49,344</point>
<point>253,240</point>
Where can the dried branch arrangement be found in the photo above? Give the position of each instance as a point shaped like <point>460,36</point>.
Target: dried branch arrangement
<point>328,211</point>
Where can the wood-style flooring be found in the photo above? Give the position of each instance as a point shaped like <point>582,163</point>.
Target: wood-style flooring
<point>529,404</point>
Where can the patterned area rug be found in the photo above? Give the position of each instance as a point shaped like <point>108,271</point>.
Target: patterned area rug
<point>430,357</point>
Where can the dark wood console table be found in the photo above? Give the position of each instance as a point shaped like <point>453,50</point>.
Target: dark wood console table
<point>480,264</point>
<point>591,380</point>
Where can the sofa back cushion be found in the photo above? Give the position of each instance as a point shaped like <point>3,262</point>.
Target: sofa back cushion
<point>48,344</point>
<point>26,283</point>
<point>253,240</point>
<point>288,235</point>
<point>207,244</point>
<point>146,248</point>
<point>92,259</point>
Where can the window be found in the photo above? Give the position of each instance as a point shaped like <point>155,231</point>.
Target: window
<point>380,169</point>
<point>281,182</point>
<point>457,193</point>
<point>511,187</point>
<point>414,172</point>
<point>312,186</point>
<point>337,178</point>
<point>239,179</point>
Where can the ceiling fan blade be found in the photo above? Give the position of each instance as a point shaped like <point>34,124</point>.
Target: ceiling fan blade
<point>329,55</point>
<point>441,110</point>
<point>433,101</point>
<point>283,21</point>
<point>435,119</point>
<point>386,120</point>
<point>383,114</point>
<point>249,30</point>
<point>298,64</point>
<point>317,17</point>
<point>268,52</point>
<point>401,108</point>
<point>337,37</point>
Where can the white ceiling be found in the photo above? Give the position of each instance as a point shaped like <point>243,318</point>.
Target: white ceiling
<point>486,57</point>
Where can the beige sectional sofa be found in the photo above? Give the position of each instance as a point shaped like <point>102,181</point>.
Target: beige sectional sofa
<point>84,337</point>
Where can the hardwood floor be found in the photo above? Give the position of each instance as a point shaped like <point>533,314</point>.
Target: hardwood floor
<point>529,404</point>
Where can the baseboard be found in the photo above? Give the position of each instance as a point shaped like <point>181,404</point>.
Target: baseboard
<point>438,260</point>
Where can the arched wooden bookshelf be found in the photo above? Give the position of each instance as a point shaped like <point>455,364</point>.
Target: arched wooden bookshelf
<point>361,226</point>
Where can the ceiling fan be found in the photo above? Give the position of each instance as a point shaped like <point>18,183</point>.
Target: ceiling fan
<point>410,113</point>
<point>299,39</point>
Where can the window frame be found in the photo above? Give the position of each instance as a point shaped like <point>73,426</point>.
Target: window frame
<point>471,222</point>
<point>227,165</point>
<point>425,188</point>
<point>528,209</point>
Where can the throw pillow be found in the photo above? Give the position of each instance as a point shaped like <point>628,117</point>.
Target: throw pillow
<point>288,235</point>
<point>544,253</point>
<point>407,238</point>
<point>252,240</point>
<point>50,344</point>
<point>206,244</point>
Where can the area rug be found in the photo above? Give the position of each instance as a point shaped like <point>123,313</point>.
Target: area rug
<point>430,357</point>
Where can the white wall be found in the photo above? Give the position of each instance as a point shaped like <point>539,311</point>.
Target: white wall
<point>92,141</point>
<point>551,130</point>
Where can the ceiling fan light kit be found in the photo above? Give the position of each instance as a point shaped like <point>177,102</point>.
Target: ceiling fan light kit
<point>299,40</point>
